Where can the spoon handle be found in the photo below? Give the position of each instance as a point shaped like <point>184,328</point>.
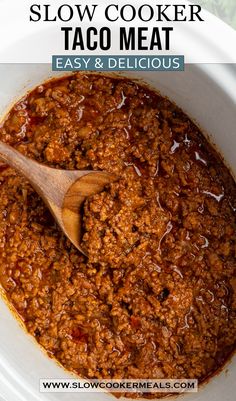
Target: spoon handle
<point>19,162</point>
<point>50,183</point>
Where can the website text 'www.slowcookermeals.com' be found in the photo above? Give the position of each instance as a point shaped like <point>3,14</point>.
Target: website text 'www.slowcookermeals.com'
<point>125,385</point>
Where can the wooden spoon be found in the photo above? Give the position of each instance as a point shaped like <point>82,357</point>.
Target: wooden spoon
<point>63,191</point>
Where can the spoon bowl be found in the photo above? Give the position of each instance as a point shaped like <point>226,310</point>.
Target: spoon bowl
<point>63,191</point>
<point>72,219</point>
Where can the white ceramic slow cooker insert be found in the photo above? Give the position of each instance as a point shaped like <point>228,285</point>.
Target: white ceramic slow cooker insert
<point>207,94</point>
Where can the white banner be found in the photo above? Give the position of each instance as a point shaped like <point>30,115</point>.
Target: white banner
<point>118,385</point>
<point>32,31</point>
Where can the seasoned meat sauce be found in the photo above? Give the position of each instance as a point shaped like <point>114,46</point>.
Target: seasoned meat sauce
<point>156,296</point>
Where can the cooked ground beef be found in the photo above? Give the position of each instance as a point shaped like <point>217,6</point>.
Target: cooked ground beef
<point>156,297</point>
